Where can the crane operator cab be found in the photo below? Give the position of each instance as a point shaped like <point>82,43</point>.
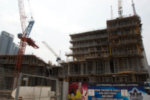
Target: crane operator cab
<point>147,87</point>
<point>29,41</point>
<point>58,59</point>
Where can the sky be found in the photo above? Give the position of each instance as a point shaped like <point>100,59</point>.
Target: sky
<point>55,20</point>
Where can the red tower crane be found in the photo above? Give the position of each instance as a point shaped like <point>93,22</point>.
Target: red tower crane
<point>24,36</point>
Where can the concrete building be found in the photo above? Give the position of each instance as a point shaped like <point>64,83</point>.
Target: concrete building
<point>111,55</point>
<point>31,65</point>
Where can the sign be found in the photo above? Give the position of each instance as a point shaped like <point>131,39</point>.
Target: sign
<point>118,92</point>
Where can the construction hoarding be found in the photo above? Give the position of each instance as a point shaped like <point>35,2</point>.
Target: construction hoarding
<point>78,91</point>
<point>83,91</point>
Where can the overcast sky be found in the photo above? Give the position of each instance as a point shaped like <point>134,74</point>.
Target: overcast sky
<point>56,19</point>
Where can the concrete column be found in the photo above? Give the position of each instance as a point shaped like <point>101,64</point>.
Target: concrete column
<point>65,90</point>
<point>58,90</point>
<point>93,67</point>
<point>68,67</point>
<point>133,78</point>
<point>81,68</point>
<point>86,68</point>
<point>106,66</point>
<point>127,64</point>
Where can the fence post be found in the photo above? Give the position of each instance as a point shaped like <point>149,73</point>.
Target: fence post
<point>18,86</point>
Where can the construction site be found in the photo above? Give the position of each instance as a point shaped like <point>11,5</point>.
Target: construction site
<point>106,64</point>
<point>115,54</point>
<point>31,65</point>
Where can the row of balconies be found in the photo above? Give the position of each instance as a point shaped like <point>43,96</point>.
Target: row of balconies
<point>101,36</point>
<point>24,62</point>
<point>88,45</point>
<point>127,24</point>
<point>125,42</point>
<point>123,33</point>
<point>100,72</point>
<point>125,51</point>
<point>103,51</point>
<point>88,52</point>
<point>106,50</point>
<point>103,55</point>
<point>113,42</point>
<point>119,70</point>
<point>124,21</point>
<point>124,39</point>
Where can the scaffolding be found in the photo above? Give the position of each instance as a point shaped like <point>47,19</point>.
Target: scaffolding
<point>107,52</point>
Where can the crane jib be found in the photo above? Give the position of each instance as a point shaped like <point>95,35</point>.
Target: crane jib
<point>29,28</point>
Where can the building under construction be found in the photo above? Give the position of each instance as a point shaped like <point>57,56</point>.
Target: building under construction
<point>31,65</point>
<point>112,55</point>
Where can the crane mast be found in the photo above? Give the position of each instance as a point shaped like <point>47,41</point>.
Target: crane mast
<point>133,6</point>
<point>120,9</point>
<point>22,15</point>
<point>22,44</point>
<point>24,39</point>
<point>111,9</point>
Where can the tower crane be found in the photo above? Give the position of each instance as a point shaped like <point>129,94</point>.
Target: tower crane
<point>57,57</point>
<point>133,7</point>
<point>111,12</point>
<point>24,36</point>
<point>120,9</point>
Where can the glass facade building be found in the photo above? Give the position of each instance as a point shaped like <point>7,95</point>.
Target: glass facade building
<point>7,47</point>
